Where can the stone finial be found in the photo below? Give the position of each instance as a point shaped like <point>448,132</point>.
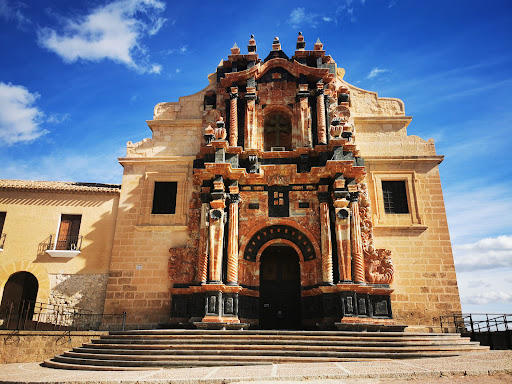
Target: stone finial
<point>276,44</point>
<point>251,48</point>
<point>209,134</point>
<point>301,44</point>
<point>318,45</point>
<point>235,50</point>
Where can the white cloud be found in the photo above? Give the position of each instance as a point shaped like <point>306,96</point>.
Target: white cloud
<point>489,253</point>
<point>346,9</point>
<point>474,213</point>
<point>112,32</point>
<point>181,50</point>
<point>489,297</point>
<point>13,12</point>
<point>297,16</point>
<point>156,68</point>
<point>376,72</point>
<point>20,119</point>
<point>97,166</point>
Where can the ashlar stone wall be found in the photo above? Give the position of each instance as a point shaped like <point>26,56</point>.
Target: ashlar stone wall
<point>82,291</point>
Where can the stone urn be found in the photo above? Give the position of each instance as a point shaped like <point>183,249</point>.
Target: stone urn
<point>336,129</point>
<point>220,132</point>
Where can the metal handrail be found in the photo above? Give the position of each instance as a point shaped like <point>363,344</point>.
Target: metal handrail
<point>29,315</point>
<point>65,243</point>
<point>476,322</point>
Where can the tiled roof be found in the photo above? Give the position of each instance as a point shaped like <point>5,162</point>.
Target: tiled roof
<point>59,186</point>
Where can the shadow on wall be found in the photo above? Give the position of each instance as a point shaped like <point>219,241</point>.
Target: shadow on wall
<point>50,202</point>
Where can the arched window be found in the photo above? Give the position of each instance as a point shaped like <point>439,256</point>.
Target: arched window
<point>20,286</point>
<point>278,131</point>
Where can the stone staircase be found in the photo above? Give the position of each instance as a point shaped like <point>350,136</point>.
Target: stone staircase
<point>150,349</point>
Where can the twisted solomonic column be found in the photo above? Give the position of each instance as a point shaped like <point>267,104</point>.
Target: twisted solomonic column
<point>325,230</point>
<point>233,117</point>
<point>232,267</point>
<point>202,273</point>
<point>357,243</point>
<point>320,108</point>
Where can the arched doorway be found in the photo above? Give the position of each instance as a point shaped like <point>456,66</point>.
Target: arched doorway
<point>280,288</point>
<point>20,286</point>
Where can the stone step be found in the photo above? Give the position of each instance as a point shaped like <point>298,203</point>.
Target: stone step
<point>303,341</point>
<point>288,351</point>
<point>178,348</point>
<point>200,359</point>
<point>277,332</point>
<point>84,367</point>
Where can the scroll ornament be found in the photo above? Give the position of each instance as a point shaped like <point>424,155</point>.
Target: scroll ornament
<point>379,266</point>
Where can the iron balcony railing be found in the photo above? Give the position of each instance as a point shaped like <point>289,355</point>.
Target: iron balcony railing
<point>2,240</point>
<point>477,322</point>
<point>34,316</point>
<point>65,243</point>
<point>494,330</point>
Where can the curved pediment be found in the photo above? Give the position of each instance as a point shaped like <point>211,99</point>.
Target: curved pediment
<point>293,67</point>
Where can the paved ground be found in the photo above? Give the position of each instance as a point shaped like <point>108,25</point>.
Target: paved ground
<point>493,367</point>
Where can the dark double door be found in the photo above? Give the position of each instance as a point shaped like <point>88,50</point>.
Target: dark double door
<point>280,288</point>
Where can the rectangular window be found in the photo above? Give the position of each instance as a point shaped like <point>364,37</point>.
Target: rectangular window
<point>68,236</point>
<point>395,197</point>
<point>164,198</point>
<point>2,221</point>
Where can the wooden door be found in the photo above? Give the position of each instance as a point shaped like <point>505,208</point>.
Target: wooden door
<point>280,288</point>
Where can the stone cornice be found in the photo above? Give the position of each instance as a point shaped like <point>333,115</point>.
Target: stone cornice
<point>156,159</point>
<point>435,160</point>
<point>188,123</point>
<point>406,120</point>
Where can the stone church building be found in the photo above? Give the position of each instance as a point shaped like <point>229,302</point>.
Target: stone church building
<point>278,197</point>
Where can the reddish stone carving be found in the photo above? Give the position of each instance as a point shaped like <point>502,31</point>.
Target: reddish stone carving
<point>211,117</point>
<point>341,112</point>
<point>379,266</point>
<point>182,264</point>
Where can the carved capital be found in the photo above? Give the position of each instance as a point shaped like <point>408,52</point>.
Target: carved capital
<point>234,198</point>
<point>323,197</point>
<point>354,197</point>
<point>206,198</point>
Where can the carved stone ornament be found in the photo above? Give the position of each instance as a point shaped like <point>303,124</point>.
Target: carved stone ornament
<point>211,117</point>
<point>216,214</point>
<point>342,113</point>
<point>379,266</point>
<point>182,264</point>
<point>336,129</point>
<point>278,180</point>
<point>220,133</point>
<point>343,213</point>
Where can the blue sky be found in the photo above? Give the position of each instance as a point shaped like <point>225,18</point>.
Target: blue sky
<point>78,80</point>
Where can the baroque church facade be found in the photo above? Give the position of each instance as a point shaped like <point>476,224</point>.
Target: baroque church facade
<point>278,197</point>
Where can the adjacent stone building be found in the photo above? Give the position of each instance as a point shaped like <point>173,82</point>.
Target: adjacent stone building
<point>280,196</point>
<point>56,241</point>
